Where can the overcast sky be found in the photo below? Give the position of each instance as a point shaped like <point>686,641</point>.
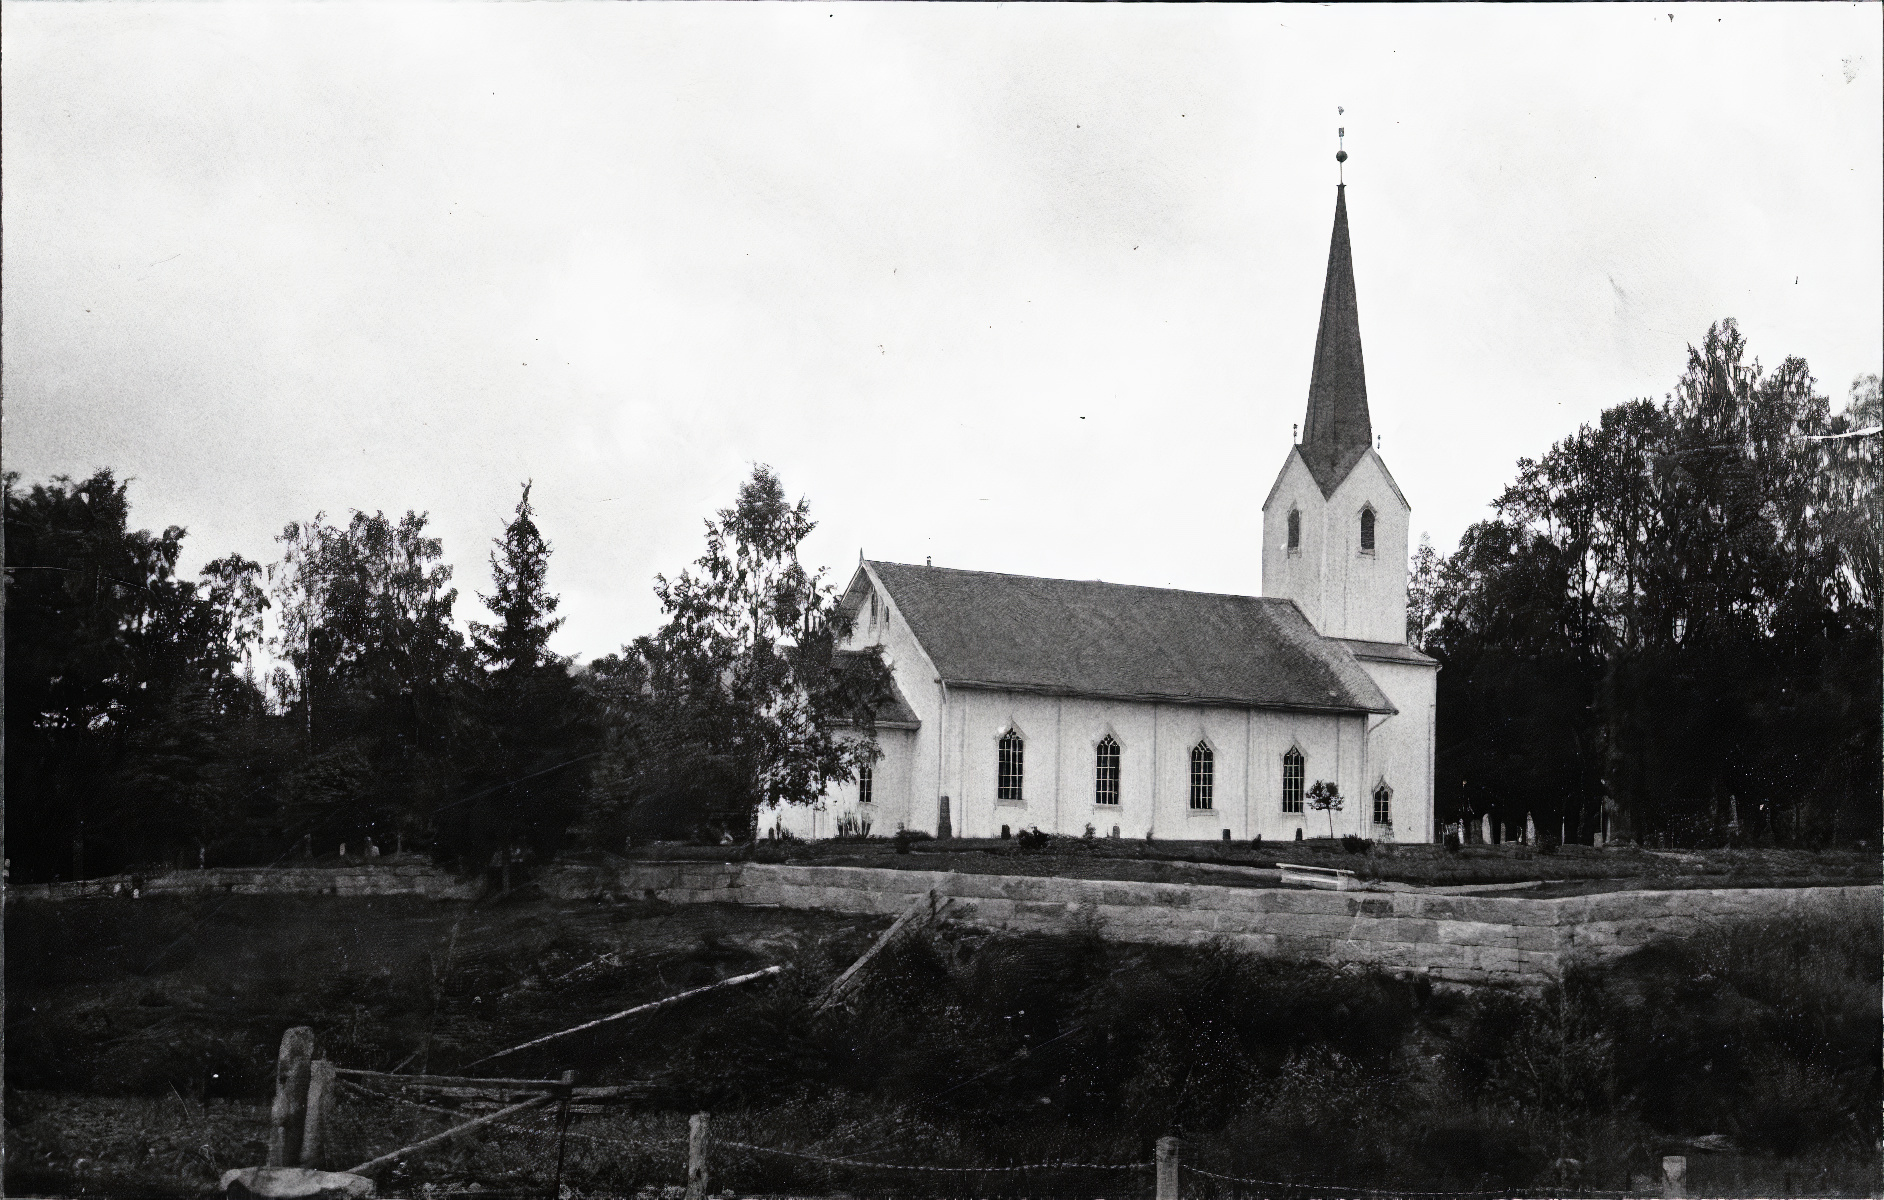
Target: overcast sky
<point>1022,288</point>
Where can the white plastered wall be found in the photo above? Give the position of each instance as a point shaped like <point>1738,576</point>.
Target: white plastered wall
<point>1344,591</point>
<point>1400,751</point>
<point>1061,735</point>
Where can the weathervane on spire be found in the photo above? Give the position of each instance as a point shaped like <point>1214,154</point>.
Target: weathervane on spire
<point>1341,154</point>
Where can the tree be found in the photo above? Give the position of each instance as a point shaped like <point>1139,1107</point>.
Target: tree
<point>532,727</point>
<point>375,674</point>
<point>519,641</point>
<point>1670,612</point>
<point>736,701</point>
<point>1324,796</point>
<point>124,707</point>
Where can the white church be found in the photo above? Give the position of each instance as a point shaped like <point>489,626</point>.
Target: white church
<point>1060,704</point>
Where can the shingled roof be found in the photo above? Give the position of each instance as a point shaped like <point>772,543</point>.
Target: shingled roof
<point>1085,638</point>
<point>1338,430</point>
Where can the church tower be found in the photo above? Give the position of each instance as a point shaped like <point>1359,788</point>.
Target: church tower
<point>1335,523</point>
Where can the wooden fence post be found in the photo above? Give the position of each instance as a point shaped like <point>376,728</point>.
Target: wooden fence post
<point>697,1156</point>
<point>285,1119</point>
<point>1167,1168</point>
<point>1674,1177</point>
<point>320,1104</point>
<point>562,1131</point>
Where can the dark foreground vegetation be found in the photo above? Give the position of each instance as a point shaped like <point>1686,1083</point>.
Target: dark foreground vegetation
<point>141,1039</point>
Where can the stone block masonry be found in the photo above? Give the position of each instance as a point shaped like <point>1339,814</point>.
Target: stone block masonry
<point>1460,939</point>
<point>1483,939</point>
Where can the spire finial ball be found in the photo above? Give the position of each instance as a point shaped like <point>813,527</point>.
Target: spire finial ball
<point>1341,156</point>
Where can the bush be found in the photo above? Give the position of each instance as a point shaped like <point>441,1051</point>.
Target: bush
<point>1033,841</point>
<point>1766,1030</point>
<point>906,839</point>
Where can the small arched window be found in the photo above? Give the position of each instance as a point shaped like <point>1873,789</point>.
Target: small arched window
<point>1367,531</point>
<point>1203,775</point>
<point>1008,783</point>
<point>1295,529</point>
<point>1105,786</point>
<point>1292,781</point>
<point>866,784</point>
<point>1383,804</point>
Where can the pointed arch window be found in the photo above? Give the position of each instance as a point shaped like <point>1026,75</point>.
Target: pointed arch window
<point>1105,786</point>
<point>1292,764</point>
<point>1295,529</point>
<point>1367,530</point>
<point>1008,781</point>
<point>1203,775</point>
<point>1383,804</point>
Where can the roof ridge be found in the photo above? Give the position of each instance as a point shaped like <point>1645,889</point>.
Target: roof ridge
<point>1138,587</point>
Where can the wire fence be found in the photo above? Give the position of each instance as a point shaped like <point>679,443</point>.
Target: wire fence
<point>1210,1185</point>
<point>566,1149</point>
<point>557,1149</point>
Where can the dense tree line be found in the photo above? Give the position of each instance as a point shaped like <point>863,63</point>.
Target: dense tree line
<point>1669,627</point>
<point>139,733</point>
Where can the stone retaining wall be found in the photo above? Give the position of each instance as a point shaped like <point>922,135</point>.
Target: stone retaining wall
<point>1463,939</point>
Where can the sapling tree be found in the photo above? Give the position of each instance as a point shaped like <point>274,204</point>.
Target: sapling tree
<point>1324,796</point>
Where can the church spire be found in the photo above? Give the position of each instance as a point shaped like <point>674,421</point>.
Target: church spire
<point>1338,430</point>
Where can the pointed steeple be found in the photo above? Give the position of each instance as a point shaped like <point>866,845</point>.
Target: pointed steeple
<point>1338,431</point>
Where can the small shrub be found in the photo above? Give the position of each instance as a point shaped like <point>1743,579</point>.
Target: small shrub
<point>1351,844</point>
<point>906,839</point>
<point>1034,840</point>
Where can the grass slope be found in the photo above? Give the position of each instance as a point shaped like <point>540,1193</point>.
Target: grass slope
<point>141,1039</point>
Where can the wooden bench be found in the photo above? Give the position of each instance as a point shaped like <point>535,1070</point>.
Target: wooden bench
<point>1332,878</point>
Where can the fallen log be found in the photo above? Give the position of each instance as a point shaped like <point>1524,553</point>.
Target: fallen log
<point>629,1012</point>
<point>393,1156</point>
<point>925,910</point>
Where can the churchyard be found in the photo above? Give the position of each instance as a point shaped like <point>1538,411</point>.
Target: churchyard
<point>1555,869</point>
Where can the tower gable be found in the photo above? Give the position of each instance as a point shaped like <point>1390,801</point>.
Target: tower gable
<point>1345,587</point>
<point>1335,522</point>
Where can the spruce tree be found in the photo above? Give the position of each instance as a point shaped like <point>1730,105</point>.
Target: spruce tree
<point>530,723</point>
<point>519,640</point>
